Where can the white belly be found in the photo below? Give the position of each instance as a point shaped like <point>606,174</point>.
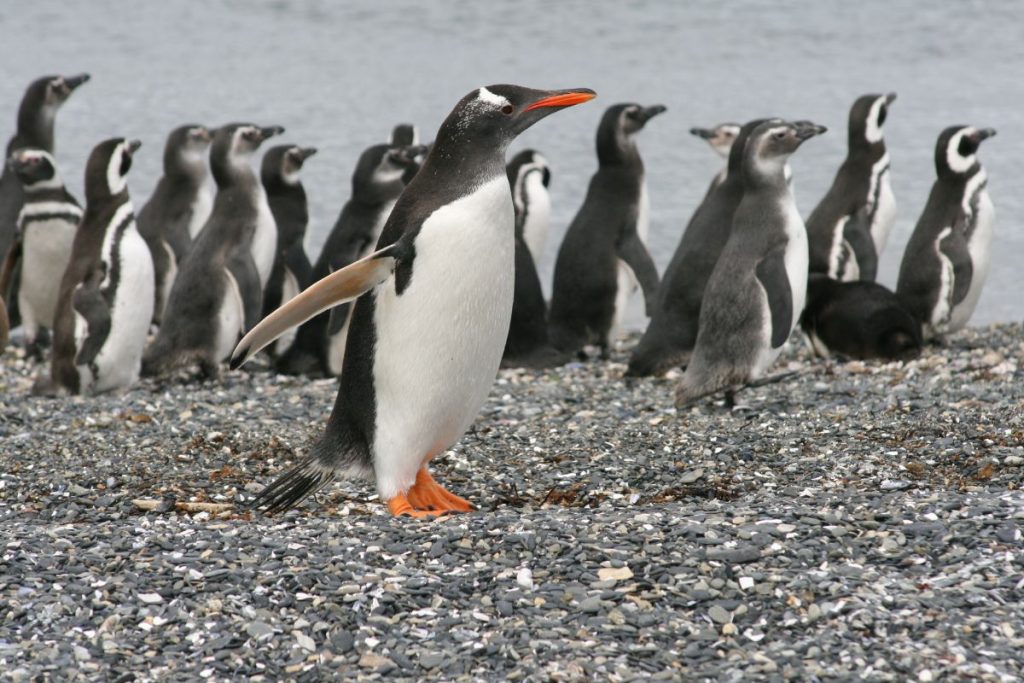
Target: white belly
<point>627,283</point>
<point>885,210</point>
<point>264,242</point>
<point>643,214</point>
<point>336,346</point>
<point>169,276</point>
<point>46,251</point>
<point>538,215</point>
<point>980,248</point>
<point>230,317</point>
<point>201,209</point>
<point>120,357</point>
<point>439,344</point>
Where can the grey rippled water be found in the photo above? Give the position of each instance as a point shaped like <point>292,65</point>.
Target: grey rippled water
<point>338,74</point>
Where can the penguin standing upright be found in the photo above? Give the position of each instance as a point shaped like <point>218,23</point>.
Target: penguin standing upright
<point>672,332</point>
<point>946,260</point>
<point>604,253</point>
<point>178,207</point>
<point>36,116</point>
<point>527,344</point>
<point>720,138</point>
<point>377,182</point>
<point>287,197</point>
<point>47,223</point>
<point>757,290</point>
<point>848,229</point>
<point>106,294</point>
<point>425,343</point>
<point>218,294</point>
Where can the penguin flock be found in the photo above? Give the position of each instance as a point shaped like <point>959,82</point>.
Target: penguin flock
<point>428,280</point>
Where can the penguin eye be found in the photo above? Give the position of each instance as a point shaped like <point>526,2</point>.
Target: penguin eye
<point>126,163</point>
<point>966,147</point>
<point>779,135</point>
<point>882,113</point>
<point>507,109</point>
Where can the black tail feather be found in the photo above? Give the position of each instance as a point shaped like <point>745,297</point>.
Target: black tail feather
<point>294,486</point>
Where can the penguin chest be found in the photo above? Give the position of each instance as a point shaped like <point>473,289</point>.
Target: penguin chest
<point>264,240</point>
<point>883,212</point>
<point>46,251</point>
<point>538,215</point>
<point>797,259</point>
<point>440,341</point>
<point>230,317</point>
<point>202,205</point>
<point>978,219</point>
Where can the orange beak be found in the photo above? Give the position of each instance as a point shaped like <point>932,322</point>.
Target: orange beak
<point>565,99</point>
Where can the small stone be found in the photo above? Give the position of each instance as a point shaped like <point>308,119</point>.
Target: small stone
<point>614,573</point>
<point>151,598</point>
<point>719,614</point>
<point>371,660</point>
<point>591,605</point>
<point>525,578</point>
<point>746,582</point>
<point>259,629</point>
<point>691,476</point>
<point>304,641</point>
<point>894,484</point>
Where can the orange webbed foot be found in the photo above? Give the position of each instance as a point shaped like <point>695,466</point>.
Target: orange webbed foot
<point>401,506</point>
<point>428,494</point>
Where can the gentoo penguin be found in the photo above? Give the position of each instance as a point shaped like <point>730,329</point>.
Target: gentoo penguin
<point>292,271</point>
<point>848,229</point>
<point>859,320</point>
<point>426,341</point>
<point>672,332</point>
<point>47,223</point>
<point>527,344</point>
<point>946,260</point>
<point>218,293</point>
<point>106,294</point>
<point>178,207</point>
<point>604,253</point>
<point>720,138</point>
<point>378,180</point>
<point>757,290</point>
<point>36,117</point>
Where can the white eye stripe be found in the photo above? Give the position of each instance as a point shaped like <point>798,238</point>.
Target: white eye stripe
<point>485,95</point>
<point>873,131</point>
<point>957,162</point>
<point>115,181</point>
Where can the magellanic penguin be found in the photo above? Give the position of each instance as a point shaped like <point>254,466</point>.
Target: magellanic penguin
<point>848,229</point>
<point>178,207</point>
<point>426,341</point>
<point>604,253</point>
<point>757,291</point>
<point>36,117</point>
<point>378,180</point>
<point>672,332</point>
<point>527,344</point>
<point>287,197</point>
<point>41,252</point>
<point>218,294</point>
<point>720,138</point>
<point>858,320</point>
<point>947,258</point>
<point>106,294</point>
<point>408,135</point>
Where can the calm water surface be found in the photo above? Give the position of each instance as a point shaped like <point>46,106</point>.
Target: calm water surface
<point>337,75</point>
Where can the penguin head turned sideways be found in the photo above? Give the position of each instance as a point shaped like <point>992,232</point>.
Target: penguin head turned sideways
<point>956,150</point>
<point>54,91</point>
<point>107,169</point>
<point>284,162</point>
<point>233,145</point>
<point>771,144</point>
<point>383,170</point>
<point>867,117</point>
<point>721,137</point>
<point>35,168</point>
<point>186,147</point>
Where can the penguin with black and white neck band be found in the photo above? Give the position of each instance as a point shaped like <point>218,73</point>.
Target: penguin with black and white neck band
<point>106,294</point>
<point>47,225</point>
<point>37,114</point>
<point>218,294</point>
<point>179,206</point>
<point>426,341</point>
<point>757,291</point>
<point>603,257</point>
<point>947,258</point>
<point>849,228</point>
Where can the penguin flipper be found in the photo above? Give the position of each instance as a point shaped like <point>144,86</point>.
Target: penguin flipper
<point>771,273</point>
<point>954,247</point>
<point>632,250</point>
<point>857,233</point>
<point>339,287</point>
<point>88,301</point>
<point>8,268</point>
<point>243,269</point>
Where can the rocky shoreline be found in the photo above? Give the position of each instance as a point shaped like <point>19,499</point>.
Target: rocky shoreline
<point>857,520</point>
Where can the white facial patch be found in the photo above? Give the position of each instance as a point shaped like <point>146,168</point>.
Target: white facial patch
<point>957,162</point>
<point>38,154</point>
<point>770,164</point>
<point>496,101</point>
<point>873,131</point>
<point>115,181</point>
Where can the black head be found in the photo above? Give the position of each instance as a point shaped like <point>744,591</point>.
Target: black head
<point>233,145</point>
<point>956,151</point>
<point>770,146</point>
<point>721,137</point>
<point>282,163</point>
<point>489,118</point>
<point>867,117</point>
<point>35,168</point>
<point>526,162</point>
<point>107,169</point>
<point>740,144</point>
<point>383,170</point>
<point>53,91</point>
<point>617,128</point>
<point>405,134</point>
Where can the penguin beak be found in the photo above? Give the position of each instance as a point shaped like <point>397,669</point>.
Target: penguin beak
<point>132,145</point>
<point>270,131</point>
<point>986,133</point>
<point>306,152</point>
<point>702,133</point>
<point>562,98</point>
<point>890,98</point>
<point>648,113</point>
<point>73,82</point>
<point>202,133</point>
<point>806,129</point>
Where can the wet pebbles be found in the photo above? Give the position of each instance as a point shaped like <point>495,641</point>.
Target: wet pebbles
<point>856,521</point>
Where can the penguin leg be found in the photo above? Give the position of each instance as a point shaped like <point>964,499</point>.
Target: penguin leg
<point>400,506</point>
<point>428,494</point>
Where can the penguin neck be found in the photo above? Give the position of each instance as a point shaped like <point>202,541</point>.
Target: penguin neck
<point>765,174</point>
<point>463,160</point>
<point>858,146</point>
<point>615,148</point>
<point>233,171</point>
<point>98,199</point>
<point>185,167</point>
<point>35,127</point>
<point>373,192</point>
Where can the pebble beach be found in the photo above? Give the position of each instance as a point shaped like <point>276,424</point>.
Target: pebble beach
<point>853,521</point>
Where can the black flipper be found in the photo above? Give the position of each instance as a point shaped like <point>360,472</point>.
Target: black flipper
<point>857,233</point>
<point>771,272</point>
<point>954,247</point>
<point>89,302</point>
<point>243,269</point>
<point>632,250</point>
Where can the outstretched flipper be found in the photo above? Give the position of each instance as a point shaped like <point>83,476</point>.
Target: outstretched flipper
<point>632,250</point>
<point>771,273</point>
<point>337,288</point>
<point>89,303</point>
